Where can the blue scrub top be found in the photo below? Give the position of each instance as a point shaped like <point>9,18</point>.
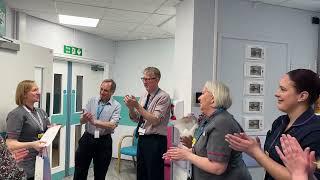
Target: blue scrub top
<point>306,129</point>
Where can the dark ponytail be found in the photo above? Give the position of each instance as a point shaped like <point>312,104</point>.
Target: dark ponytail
<point>306,80</point>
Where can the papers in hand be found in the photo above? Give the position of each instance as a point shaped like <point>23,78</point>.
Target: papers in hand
<point>50,134</point>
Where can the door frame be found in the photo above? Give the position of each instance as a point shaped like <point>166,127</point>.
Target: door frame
<point>69,61</point>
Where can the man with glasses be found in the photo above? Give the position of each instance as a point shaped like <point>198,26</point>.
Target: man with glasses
<point>152,113</point>
<point>101,116</point>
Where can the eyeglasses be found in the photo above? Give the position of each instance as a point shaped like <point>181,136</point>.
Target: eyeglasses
<point>147,79</point>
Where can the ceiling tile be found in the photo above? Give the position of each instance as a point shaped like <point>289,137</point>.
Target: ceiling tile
<point>52,17</point>
<point>106,26</point>
<point>121,19</point>
<point>39,5</point>
<point>167,10</point>
<point>137,5</point>
<point>125,16</point>
<point>157,19</point>
<point>144,36</point>
<point>79,10</point>
<point>149,29</point>
<point>168,7</point>
<point>99,3</point>
<point>169,26</point>
<point>91,30</point>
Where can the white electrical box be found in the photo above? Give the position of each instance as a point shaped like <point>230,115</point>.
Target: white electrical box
<point>253,123</point>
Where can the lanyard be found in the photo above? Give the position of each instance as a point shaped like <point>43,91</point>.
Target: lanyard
<point>150,100</point>
<point>205,123</point>
<point>145,106</point>
<point>100,109</point>
<point>37,121</point>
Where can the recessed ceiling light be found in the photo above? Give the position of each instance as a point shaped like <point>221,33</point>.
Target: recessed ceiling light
<point>78,21</point>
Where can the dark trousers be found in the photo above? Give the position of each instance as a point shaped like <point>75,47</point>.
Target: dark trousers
<point>150,165</point>
<point>100,150</point>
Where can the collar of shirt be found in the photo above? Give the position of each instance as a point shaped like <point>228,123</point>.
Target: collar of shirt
<point>31,110</point>
<point>301,120</point>
<point>105,103</point>
<point>154,93</point>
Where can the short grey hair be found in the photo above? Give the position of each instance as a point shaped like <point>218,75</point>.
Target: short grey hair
<point>113,84</point>
<point>221,94</point>
<point>155,71</point>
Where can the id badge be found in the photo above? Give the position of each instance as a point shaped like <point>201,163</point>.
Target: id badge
<point>40,135</point>
<point>193,141</point>
<point>96,133</point>
<point>141,131</point>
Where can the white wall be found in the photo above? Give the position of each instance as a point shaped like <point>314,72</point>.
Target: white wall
<point>182,63</point>
<point>53,36</point>
<point>240,23</point>
<point>247,20</point>
<point>133,56</point>
<point>203,41</point>
<point>270,26</point>
<point>24,62</point>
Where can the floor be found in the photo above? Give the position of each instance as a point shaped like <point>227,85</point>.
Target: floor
<point>127,172</point>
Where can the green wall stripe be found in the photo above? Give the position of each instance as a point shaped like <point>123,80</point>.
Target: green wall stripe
<point>125,120</point>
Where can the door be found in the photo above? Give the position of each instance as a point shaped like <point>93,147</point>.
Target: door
<point>74,83</point>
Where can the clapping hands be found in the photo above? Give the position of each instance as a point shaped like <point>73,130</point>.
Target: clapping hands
<point>244,143</point>
<point>131,101</point>
<point>299,162</point>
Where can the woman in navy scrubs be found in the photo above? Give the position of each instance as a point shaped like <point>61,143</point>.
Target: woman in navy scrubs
<point>297,92</point>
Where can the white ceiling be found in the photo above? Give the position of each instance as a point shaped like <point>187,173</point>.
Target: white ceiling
<point>119,19</point>
<point>309,5</point>
<point>127,19</point>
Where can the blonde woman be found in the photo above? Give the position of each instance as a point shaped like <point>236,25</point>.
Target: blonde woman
<point>211,156</point>
<point>26,125</point>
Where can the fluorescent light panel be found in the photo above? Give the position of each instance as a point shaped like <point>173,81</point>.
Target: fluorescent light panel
<point>78,21</point>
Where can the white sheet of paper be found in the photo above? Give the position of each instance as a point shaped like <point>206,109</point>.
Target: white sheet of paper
<point>50,134</point>
<point>38,174</point>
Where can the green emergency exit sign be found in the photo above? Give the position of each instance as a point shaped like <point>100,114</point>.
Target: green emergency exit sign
<point>72,50</point>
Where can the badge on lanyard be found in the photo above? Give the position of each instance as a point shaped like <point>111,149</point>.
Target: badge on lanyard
<point>96,133</point>
<point>40,135</point>
<point>194,140</point>
<point>141,131</point>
